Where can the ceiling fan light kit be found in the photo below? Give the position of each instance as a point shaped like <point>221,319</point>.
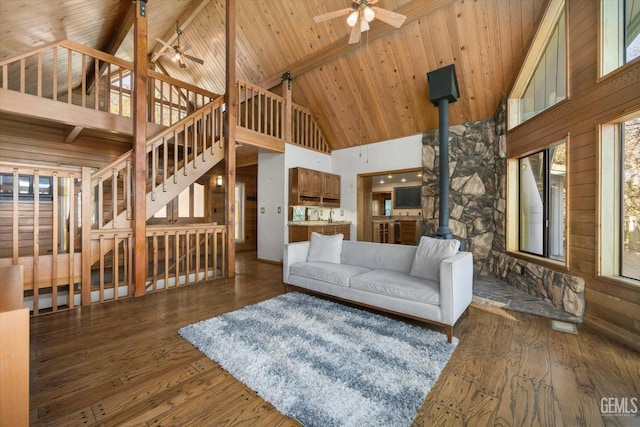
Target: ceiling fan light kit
<point>362,12</point>
<point>177,52</point>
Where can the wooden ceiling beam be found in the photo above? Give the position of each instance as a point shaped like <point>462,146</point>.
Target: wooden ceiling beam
<point>413,11</point>
<point>115,43</point>
<point>184,20</point>
<point>72,134</point>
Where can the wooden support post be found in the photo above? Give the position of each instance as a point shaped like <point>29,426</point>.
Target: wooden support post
<point>85,283</point>
<point>139,149</point>
<point>288,107</point>
<point>231,99</point>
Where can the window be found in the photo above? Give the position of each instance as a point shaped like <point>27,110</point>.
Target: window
<point>542,203</point>
<point>620,33</point>
<point>239,231</point>
<point>542,81</point>
<point>620,199</point>
<point>26,187</point>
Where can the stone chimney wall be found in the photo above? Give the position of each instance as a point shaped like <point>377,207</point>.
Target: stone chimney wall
<point>477,200</point>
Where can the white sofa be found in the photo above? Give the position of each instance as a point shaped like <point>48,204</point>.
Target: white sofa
<point>436,287</point>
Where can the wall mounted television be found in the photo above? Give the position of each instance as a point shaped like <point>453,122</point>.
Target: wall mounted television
<point>407,197</point>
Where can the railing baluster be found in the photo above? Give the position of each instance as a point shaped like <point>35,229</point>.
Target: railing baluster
<point>54,82</point>
<point>114,197</point>
<point>101,268</point>
<point>39,82</point>
<point>154,277</point>
<point>69,75</point>
<point>83,83</point>
<point>96,80</point>
<point>115,266</point>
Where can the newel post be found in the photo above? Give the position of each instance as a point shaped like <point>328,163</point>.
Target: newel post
<point>288,107</point>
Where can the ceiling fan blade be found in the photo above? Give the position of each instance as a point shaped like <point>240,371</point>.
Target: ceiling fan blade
<point>331,15</point>
<point>389,17</point>
<point>194,59</point>
<point>355,33</point>
<point>364,25</point>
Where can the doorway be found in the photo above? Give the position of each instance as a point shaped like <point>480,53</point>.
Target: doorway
<point>376,200</point>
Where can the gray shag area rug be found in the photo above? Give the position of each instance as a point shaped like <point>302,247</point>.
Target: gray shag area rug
<point>324,363</point>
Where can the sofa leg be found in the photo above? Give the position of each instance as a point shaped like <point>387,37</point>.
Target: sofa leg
<point>449,334</point>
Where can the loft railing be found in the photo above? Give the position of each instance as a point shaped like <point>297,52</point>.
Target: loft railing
<point>260,111</point>
<point>78,75</point>
<point>305,131</point>
<point>75,74</point>
<point>264,112</point>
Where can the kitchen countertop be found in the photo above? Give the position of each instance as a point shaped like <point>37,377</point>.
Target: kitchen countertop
<point>397,218</point>
<point>324,222</point>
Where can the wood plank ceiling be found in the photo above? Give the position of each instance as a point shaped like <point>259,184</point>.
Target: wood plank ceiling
<point>372,91</point>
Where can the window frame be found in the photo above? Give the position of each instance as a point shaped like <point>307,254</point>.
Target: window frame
<point>610,245</point>
<point>613,42</point>
<point>544,32</point>
<point>546,201</point>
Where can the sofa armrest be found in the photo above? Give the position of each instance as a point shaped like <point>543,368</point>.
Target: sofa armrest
<point>456,286</point>
<point>293,253</point>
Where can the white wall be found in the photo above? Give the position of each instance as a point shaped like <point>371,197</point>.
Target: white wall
<point>394,154</point>
<point>273,182</point>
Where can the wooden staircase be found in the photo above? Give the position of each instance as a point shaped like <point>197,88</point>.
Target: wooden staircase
<point>177,157</point>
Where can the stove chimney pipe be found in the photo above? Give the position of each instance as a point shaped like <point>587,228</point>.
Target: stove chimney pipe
<point>443,89</point>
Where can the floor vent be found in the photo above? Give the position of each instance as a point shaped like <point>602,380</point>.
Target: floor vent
<point>569,328</point>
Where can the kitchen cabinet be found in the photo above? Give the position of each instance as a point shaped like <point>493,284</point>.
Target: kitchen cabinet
<point>407,232</point>
<point>383,232</point>
<point>301,233</point>
<point>309,187</point>
<point>330,189</point>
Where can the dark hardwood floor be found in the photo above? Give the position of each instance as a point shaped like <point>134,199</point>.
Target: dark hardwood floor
<point>123,363</point>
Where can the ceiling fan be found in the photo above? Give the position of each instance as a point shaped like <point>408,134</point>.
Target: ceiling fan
<point>177,51</point>
<point>361,13</point>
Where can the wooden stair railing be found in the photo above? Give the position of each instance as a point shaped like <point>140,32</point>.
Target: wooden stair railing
<point>196,145</point>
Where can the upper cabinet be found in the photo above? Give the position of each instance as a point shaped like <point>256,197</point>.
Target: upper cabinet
<point>313,188</point>
<point>330,189</point>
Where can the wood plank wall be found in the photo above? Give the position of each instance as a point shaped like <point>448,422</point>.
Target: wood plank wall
<point>32,142</point>
<point>611,306</point>
<point>249,176</point>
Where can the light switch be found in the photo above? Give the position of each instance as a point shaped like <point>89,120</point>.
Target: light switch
<point>262,210</point>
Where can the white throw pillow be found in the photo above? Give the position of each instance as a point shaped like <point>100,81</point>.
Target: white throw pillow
<point>325,248</point>
<point>429,255</point>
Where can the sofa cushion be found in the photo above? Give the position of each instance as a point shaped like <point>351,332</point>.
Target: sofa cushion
<point>398,285</point>
<point>338,274</point>
<point>430,253</point>
<point>374,256</point>
<point>325,248</point>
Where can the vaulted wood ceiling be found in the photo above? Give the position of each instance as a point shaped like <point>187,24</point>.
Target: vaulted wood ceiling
<point>372,91</point>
